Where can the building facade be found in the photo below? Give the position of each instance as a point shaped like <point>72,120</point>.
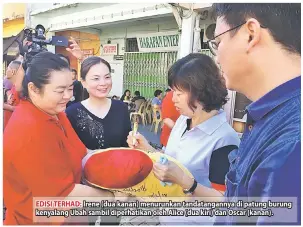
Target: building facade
<point>140,41</point>
<point>13,24</point>
<point>115,32</point>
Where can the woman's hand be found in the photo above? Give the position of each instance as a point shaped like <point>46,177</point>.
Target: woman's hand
<point>74,49</point>
<point>138,141</point>
<point>171,172</point>
<point>27,43</point>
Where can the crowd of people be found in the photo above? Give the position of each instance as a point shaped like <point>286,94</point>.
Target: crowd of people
<point>49,128</point>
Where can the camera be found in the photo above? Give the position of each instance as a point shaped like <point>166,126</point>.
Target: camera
<point>39,42</point>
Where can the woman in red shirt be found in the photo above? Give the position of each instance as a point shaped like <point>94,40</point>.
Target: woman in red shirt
<point>42,153</point>
<point>170,116</point>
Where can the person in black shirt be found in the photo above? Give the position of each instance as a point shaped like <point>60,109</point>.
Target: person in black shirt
<point>77,90</point>
<point>97,131</point>
<point>134,106</point>
<point>137,96</point>
<point>100,122</point>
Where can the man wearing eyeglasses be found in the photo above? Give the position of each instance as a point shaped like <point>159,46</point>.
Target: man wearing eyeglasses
<point>258,47</point>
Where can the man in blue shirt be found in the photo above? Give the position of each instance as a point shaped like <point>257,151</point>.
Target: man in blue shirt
<point>258,47</point>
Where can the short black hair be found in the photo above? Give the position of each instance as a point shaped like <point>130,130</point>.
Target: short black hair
<point>90,62</point>
<point>65,57</point>
<point>168,90</point>
<point>137,93</point>
<point>283,20</point>
<point>39,69</point>
<point>199,75</point>
<point>74,71</point>
<point>157,92</point>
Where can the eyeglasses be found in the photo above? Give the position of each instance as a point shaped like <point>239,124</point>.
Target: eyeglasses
<point>213,45</point>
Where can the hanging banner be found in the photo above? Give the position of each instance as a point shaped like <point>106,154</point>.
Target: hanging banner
<point>119,57</point>
<point>157,42</point>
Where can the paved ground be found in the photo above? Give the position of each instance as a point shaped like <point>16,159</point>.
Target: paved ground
<point>150,136</point>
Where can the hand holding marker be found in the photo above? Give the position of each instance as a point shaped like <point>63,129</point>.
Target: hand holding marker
<point>135,132</point>
<point>163,160</point>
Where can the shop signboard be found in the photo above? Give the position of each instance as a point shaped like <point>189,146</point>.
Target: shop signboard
<point>158,42</point>
<point>110,49</point>
<point>118,57</point>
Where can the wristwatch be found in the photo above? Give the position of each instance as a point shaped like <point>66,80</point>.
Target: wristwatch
<point>192,189</point>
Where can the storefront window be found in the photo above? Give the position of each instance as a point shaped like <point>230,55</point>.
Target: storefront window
<point>131,45</point>
<point>147,72</point>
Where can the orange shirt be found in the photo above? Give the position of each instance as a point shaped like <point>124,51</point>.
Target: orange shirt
<point>41,158</point>
<point>13,100</point>
<point>168,111</point>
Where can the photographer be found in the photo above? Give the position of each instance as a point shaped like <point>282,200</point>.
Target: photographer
<point>16,70</point>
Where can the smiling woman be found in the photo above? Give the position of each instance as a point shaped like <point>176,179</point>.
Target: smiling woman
<point>45,159</point>
<point>48,85</point>
<point>201,138</point>
<point>100,122</point>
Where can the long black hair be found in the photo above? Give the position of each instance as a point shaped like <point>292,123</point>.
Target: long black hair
<point>124,94</point>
